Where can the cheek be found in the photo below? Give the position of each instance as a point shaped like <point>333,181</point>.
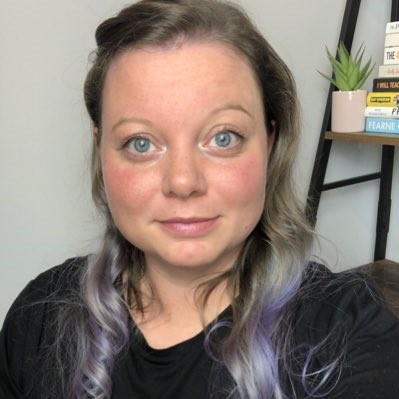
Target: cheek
<point>124,187</point>
<point>244,184</point>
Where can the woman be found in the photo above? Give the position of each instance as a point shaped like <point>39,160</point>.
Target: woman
<point>203,286</point>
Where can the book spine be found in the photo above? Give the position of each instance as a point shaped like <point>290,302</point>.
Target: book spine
<point>392,27</point>
<point>391,55</point>
<point>382,112</point>
<point>382,99</point>
<point>388,71</point>
<point>386,84</point>
<point>391,40</point>
<point>382,125</point>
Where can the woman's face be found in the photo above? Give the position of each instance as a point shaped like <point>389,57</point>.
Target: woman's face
<point>184,153</point>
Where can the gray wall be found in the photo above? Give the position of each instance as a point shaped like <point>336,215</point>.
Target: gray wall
<point>46,213</point>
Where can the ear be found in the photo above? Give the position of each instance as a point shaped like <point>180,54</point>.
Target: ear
<point>96,136</point>
<point>271,136</point>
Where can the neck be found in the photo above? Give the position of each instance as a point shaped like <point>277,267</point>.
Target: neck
<point>173,306</point>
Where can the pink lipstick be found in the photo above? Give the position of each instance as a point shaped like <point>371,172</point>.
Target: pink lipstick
<point>189,227</point>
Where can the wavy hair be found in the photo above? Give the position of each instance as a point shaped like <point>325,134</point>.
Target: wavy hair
<point>270,268</point>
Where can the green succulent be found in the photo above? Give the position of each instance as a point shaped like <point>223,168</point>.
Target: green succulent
<point>349,74</point>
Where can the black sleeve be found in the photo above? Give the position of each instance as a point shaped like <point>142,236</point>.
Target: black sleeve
<point>363,334</point>
<point>23,338</point>
<point>371,367</point>
<point>19,337</point>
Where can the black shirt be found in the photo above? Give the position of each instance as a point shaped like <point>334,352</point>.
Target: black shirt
<point>345,307</point>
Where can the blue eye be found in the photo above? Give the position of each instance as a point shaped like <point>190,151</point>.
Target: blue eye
<point>142,147</point>
<point>141,144</point>
<point>223,139</point>
<point>226,139</point>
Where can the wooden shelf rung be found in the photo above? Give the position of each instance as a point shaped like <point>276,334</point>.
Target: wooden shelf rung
<point>365,137</point>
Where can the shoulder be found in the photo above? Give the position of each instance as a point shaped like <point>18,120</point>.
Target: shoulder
<point>51,284</point>
<point>47,286</point>
<point>348,297</point>
<point>23,333</point>
<point>61,277</point>
<point>344,302</point>
<point>343,317</point>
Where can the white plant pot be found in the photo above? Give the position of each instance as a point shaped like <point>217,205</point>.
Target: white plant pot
<point>347,112</point>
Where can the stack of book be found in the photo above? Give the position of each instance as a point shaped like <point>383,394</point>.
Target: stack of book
<point>382,111</point>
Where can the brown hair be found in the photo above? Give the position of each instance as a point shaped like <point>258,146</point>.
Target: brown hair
<point>270,267</point>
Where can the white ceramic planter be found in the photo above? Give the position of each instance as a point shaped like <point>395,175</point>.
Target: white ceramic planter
<point>347,112</point>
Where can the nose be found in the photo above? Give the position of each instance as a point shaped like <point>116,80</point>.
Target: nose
<point>184,175</point>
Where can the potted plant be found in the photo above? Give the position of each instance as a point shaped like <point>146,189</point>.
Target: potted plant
<point>349,102</point>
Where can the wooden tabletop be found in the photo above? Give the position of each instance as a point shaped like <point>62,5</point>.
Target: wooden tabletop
<point>386,274</point>
<point>364,137</point>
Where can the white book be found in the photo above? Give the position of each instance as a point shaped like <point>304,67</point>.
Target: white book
<point>382,112</point>
<point>388,71</point>
<point>391,40</point>
<point>392,27</point>
<point>391,55</point>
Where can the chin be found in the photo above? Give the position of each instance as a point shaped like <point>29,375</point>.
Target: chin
<point>201,258</point>
<point>192,261</point>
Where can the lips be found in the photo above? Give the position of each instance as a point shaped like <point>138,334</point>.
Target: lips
<point>189,227</point>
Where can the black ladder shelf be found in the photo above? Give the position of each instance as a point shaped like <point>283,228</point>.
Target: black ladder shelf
<point>388,143</point>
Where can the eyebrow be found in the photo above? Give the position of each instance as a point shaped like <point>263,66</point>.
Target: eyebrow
<point>131,119</point>
<point>224,107</point>
<point>231,106</point>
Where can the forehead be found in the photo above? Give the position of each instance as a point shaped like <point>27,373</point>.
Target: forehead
<point>184,53</point>
<point>193,72</point>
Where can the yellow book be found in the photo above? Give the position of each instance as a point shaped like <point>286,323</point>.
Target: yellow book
<point>383,99</point>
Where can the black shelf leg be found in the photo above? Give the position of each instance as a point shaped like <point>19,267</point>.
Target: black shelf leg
<point>316,187</point>
<point>395,10</point>
<point>384,202</point>
<point>323,147</point>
